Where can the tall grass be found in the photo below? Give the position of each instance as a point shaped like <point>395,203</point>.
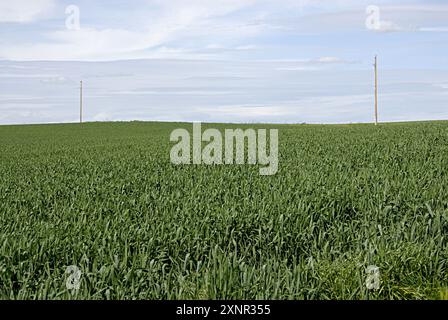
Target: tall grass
<point>106,198</point>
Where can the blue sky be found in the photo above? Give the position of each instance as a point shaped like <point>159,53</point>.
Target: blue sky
<point>223,60</point>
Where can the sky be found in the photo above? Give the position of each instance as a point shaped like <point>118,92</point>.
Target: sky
<point>277,61</point>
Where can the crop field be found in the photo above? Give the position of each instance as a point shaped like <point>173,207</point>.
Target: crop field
<point>105,197</point>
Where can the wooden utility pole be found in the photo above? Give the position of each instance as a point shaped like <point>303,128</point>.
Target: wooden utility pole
<point>376,90</point>
<point>80,102</point>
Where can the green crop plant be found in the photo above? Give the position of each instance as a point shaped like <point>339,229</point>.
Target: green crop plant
<point>105,197</point>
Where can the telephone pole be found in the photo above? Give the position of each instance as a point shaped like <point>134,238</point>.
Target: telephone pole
<point>80,102</point>
<point>376,90</point>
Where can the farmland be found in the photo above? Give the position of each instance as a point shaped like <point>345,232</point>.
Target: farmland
<point>104,197</point>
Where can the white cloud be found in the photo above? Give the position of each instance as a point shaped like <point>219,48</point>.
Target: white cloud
<point>313,64</point>
<point>24,11</point>
<point>246,47</point>
<point>174,20</point>
<point>405,18</point>
<point>389,26</point>
<point>246,111</point>
<point>211,91</point>
<point>87,43</point>
<point>330,60</point>
<point>434,29</point>
<point>226,24</point>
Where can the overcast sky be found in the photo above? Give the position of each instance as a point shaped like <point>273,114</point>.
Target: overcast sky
<point>223,60</point>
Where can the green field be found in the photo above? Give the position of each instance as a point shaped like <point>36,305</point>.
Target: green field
<point>105,197</point>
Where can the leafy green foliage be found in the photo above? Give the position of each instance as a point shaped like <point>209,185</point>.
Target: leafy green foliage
<point>106,198</point>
